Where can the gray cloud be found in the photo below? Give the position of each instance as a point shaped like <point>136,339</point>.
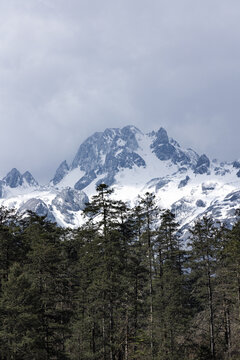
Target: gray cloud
<point>69,68</point>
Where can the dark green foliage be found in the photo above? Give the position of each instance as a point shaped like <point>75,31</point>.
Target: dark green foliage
<point>35,302</point>
<point>203,261</point>
<point>120,287</point>
<point>171,294</point>
<point>20,323</point>
<point>12,247</point>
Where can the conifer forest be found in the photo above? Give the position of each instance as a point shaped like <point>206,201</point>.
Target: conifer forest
<point>125,285</point>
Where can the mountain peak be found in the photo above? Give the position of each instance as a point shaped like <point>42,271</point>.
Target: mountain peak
<point>27,176</point>
<point>98,150</point>
<point>162,136</point>
<point>166,149</point>
<point>61,171</point>
<point>131,128</point>
<point>13,179</point>
<point>202,165</point>
<point>108,152</point>
<point>133,163</point>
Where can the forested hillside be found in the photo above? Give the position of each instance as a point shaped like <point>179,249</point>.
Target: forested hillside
<point>123,286</point>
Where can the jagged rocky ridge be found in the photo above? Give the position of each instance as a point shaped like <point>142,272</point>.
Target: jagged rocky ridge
<point>24,193</point>
<point>133,163</point>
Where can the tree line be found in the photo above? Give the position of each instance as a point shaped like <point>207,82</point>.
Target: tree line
<point>122,286</point>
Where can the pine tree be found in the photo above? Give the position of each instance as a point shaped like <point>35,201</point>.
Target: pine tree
<point>149,212</point>
<point>138,276</point>
<point>203,261</point>
<point>229,288</point>
<point>19,304</point>
<point>11,246</point>
<point>171,296</point>
<point>102,313</point>
<point>50,277</point>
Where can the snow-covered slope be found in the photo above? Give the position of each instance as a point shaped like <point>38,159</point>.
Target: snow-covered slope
<point>132,163</point>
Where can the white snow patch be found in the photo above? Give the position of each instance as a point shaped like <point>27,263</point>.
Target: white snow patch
<point>121,142</point>
<point>71,178</point>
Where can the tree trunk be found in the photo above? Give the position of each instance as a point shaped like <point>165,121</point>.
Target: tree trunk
<point>150,285</point>
<point>93,339</point>
<point>104,335</point>
<point>211,320</point>
<point>111,330</point>
<point>126,336</point>
<point>238,293</point>
<point>227,327</point>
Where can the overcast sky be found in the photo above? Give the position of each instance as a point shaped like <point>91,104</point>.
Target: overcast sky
<point>69,68</point>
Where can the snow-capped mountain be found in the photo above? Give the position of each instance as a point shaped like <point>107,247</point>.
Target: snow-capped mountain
<point>132,163</point>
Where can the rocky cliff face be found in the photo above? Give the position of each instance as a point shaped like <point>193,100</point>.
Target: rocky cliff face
<point>106,153</point>
<point>61,171</point>
<point>37,206</point>
<point>14,179</point>
<point>132,162</point>
<point>166,149</point>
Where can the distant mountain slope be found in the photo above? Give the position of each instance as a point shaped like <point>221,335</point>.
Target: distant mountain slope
<point>132,163</point>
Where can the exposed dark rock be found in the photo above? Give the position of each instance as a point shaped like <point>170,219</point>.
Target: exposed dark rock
<point>162,136</point>
<point>231,213</point>
<point>27,176</point>
<point>89,153</point>
<point>85,180</point>
<point>236,164</point>
<point>217,212</point>
<point>164,151</point>
<point>181,206</point>
<point>221,171</point>
<point>238,173</point>
<point>108,180</point>
<point>188,158</point>
<point>170,150</point>
<point>161,183</point>
<point>208,186</point>
<point>182,170</point>
<point>202,165</point>
<point>184,182</point>
<point>128,135</point>
<point>13,179</point>
<point>157,183</point>
<point>114,149</point>
<point>200,203</point>
<point>233,196</point>
<point>174,142</point>
<point>69,200</point>
<point>61,171</point>
<point>123,159</point>
<point>107,152</point>
<point>39,207</point>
